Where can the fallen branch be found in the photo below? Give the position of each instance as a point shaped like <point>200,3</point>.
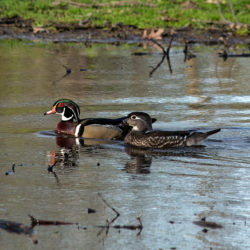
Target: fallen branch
<point>165,52</point>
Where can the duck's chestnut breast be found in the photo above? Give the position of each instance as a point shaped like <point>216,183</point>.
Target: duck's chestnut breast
<point>66,128</point>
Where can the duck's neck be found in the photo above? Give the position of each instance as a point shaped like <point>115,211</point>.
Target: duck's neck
<point>132,135</point>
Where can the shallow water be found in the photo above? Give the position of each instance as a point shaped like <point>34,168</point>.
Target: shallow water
<point>171,189</point>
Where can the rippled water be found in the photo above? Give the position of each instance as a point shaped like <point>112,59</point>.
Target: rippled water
<point>171,189</point>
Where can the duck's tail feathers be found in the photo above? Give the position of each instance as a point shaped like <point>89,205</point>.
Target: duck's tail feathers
<point>197,137</point>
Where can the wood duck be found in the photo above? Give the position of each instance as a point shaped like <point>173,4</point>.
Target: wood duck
<point>142,135</point>
<point>99,128</point>
<point>71,124</point>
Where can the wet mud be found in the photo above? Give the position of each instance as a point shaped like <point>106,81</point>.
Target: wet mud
<point>18,28</point>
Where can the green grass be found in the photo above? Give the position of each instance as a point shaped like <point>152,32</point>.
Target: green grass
<point>166,13</point>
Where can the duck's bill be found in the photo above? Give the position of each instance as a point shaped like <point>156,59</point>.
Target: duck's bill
<point>52,111</point>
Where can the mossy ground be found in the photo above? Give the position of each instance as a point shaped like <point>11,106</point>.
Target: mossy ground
<point>145,14</point>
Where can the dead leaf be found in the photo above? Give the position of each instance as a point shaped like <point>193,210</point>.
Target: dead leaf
<point>39,30</point>
<point>215,1</point>
<point>157,35</point>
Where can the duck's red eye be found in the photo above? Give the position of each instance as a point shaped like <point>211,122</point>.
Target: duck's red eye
<point>60,105</point>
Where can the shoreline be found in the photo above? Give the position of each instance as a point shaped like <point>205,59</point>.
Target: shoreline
<point>116,34</point>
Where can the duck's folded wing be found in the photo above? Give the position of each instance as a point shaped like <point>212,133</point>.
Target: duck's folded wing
<point>102,121</point>
<point>170,133</point>
<point>99,131</point>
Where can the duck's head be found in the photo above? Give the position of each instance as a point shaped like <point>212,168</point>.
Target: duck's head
<point>68,110</point>
<point>140,121</point>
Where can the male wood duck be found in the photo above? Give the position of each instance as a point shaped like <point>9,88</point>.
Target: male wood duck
<point>71,124</point>
<point>142,135</point>
<point>99,128</point>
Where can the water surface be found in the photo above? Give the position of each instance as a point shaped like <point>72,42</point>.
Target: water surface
<point>171,189</point>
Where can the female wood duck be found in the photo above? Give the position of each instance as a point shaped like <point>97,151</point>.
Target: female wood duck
<point>142,135</point>
<point>99,128</point>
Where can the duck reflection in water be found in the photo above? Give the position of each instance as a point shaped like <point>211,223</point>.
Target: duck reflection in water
<point>141,159</point>
<point>67,155</point>
<point>139,162</point>
<point>65,158</point>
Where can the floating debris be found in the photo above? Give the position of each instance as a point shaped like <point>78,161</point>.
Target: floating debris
<point>91,211</point>
<point>209,224</point>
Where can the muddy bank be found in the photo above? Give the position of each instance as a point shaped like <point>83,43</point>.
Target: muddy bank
<point>18,28</point>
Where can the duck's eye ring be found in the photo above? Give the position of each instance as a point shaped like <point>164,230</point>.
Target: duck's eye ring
<point>133,117</point>
<point>59,107</point>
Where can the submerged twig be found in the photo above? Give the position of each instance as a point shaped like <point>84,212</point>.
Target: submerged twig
<point>17,228</point>
<point>67,69</point>
<point>157,66</point>
<point>187,54</point>
<point>12,170</point>
<point>140,227</point>
<point>108,223</point>
<point>209,224</point>
<point>37,222</point>
<point>169,45</point>
<point>107,204</point>
<point>51,170</point>
<point>165,55</point>
<point>166,52</point>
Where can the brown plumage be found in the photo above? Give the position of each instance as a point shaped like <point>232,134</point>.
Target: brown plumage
<point>142,135</point>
